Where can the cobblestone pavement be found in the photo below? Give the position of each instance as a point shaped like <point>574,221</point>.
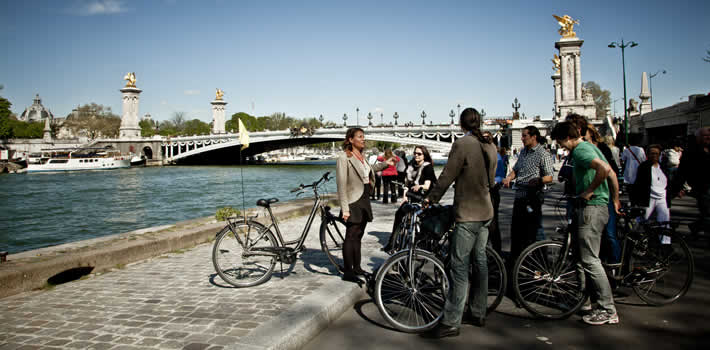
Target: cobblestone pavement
<point>175,301</point>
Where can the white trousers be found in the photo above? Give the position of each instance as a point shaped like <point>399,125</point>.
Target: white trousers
<point>660,207</point>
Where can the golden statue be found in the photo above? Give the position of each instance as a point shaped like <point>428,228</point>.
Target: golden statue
<point>566,26</point>
<point>556,63</point>
<point>220,93</point>
<point>131,79</point>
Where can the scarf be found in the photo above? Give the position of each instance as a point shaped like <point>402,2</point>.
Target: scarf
<point>414,172</point>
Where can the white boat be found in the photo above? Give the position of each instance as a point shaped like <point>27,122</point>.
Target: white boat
<point>79,159</point>
<point>138,160</point>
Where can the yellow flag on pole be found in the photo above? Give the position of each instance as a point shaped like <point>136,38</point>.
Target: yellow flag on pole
<point>243,135</point>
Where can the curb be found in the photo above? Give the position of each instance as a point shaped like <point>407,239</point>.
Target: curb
<point>36,269</point>
<point>298,326</point>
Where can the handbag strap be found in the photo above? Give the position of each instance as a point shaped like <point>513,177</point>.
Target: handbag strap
<point>631,150</point>
<point>487,162</point>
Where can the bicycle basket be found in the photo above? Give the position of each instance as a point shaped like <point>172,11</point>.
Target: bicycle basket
<point>437,220</point>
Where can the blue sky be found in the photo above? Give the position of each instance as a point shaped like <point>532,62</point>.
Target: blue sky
<point>307,58</point>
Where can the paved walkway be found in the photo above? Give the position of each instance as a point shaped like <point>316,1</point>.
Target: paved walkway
<point>176,301</point>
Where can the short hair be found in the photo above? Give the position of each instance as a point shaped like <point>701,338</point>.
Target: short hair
<point>565,130</point>
<point>535,132</point>
<point>656,146</point>
<point>579,122</point>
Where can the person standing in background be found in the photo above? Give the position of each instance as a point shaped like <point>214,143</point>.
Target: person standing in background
<point>401,171</point>
<point>632,157</point>
<point>388,175</point>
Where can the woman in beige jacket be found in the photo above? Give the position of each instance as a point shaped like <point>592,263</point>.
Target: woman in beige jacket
<point>355,177</point>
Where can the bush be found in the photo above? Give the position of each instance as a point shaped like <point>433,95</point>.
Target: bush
<point>226,212</point>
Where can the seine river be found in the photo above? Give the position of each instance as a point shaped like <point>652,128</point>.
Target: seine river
<point>46,209</point>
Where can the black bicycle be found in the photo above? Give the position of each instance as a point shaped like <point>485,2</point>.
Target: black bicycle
<point>655,261</point>
<point>411,285</point>
<point>245,251</point>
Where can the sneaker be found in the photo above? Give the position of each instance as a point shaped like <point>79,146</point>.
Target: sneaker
<point>600,317</point>
<point>586,307</point>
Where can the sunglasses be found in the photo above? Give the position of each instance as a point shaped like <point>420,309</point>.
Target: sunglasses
<point>418,153</point>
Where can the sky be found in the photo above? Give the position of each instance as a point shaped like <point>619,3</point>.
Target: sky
<point>310,58</point>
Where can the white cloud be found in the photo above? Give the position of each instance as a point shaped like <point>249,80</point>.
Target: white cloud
<point>164,102</point>
<point>192,92</point>
<point>101,7</point>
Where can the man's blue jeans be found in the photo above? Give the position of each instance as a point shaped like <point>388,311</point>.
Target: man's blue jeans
<point>613,247</point>
<point>468,245</point>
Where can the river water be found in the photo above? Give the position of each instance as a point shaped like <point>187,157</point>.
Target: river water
<point>45,209</point>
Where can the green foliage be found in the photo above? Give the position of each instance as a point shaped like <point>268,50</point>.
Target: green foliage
<point>196,127</point>
<point>27,130</point>
<point>5,121</point>
<point>226,212</point>
<point>94,120</point>
<point>276,121</point>
<point>147,128</point>
<point>602,98</point>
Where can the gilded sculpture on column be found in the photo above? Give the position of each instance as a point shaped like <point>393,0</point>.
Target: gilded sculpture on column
<point>556,63</point>
<point>130,79</point>
<point>220,93</point>
<point>566,26</point>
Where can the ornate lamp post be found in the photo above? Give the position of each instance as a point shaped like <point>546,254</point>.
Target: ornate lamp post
<point>451,114</point>
<point>382,119</point>
<point>369,118</point>
<point>483,112</point>
<point>321,119</point>
<point>423,117</point>
<point>623,46</point>
<point>395,116</point>
<point>516,106</point>
<point>357,115</point>
<point>345,120</point>
<point>650,83</point>
<point>458,109</point>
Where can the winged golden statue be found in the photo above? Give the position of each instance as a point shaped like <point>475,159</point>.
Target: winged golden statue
<point>566,26</point>
<point>556,63</point>
<point>220,93</point>
<point>130,79</point>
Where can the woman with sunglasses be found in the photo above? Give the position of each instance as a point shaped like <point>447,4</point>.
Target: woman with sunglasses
<point>420,178</point>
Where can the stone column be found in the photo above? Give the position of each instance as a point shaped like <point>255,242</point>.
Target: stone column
<point>47,131</point>
<point>645,96</point>
<point>577,77</point>
<point>218,116</point>
<point>569,68</point>
<point>558,92</point>
<point>129,120</point>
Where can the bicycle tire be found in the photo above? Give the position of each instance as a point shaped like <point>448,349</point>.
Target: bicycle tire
<point>543,287</point>
<point>228,255</point>
<point>665,271</point>
<point>497,281</point>
<point>411,310</point>
<point>332,237</point>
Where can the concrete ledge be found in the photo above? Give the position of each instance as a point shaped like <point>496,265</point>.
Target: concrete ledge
<point>33,269</point>
<point>295,328</point>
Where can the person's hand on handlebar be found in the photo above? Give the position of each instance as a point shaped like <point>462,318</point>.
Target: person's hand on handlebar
<point>346,216</point>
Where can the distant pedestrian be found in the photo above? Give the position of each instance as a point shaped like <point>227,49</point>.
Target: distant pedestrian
<point>632,157</point>
<point>695,169</point>
<point>375,193</point>
<point>615,152</point>
<point>389,191</point>
<point>651,184</point>
<point>354,177</point>
<point>501,173</point>
<point>401,171</point>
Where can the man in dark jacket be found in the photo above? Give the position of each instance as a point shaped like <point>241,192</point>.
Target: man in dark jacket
<point>468,158</point>
<point>695,169</point>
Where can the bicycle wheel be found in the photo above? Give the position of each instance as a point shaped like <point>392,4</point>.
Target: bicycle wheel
<point>411,302</point>
<point>664,272</point>
<point>233,260</point>
<point>546,283</point>
<point>332,236</point>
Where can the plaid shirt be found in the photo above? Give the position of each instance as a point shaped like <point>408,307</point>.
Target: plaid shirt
<point>532,163</point>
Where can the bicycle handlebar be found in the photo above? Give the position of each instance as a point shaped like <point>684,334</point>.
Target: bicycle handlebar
<point>315,184</point>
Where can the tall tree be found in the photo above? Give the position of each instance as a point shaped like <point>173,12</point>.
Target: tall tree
<point>5,121</point>
<point>602,98</point>
<point>178,120</point>
<point>94,120</point>
<point>196,127</point>
<point>147,127</point>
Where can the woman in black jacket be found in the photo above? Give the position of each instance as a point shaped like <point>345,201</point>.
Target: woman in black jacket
<point>651,184</point>
<point>420,178</point>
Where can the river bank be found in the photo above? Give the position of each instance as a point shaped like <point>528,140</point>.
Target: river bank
<point>46,267</point>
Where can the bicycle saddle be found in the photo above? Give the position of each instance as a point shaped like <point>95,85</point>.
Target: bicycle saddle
<point>266,202</point>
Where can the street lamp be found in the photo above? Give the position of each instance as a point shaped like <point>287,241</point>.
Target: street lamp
<point>382,119</point>
<point>483,112</point>
<point>451,114</point>
<point>345,120</point>
<point>458,109</point>
<point>321,119</point>
<point>623,46</point>
<point>369,118</point>
<point>650,83</point>
<point>357,112</point>
<point>423,117</point>
<point>395,116</point>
